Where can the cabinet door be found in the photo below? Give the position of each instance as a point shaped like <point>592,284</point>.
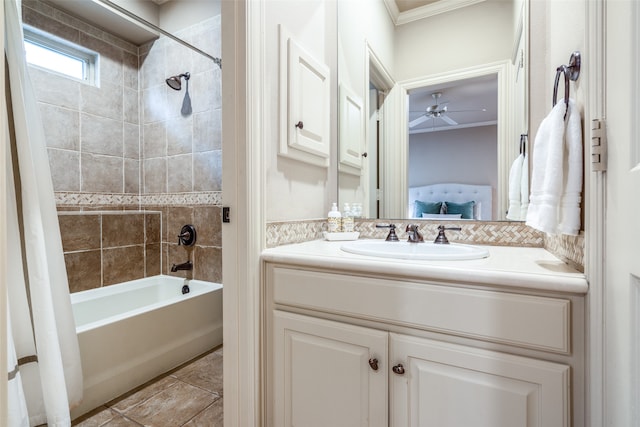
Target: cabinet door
<point>322,375</point>
<point>447,385</point>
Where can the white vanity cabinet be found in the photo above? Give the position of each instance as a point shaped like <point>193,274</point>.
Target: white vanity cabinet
<point>328,373</point>
<point>448,354</point>
<point>438,384</point>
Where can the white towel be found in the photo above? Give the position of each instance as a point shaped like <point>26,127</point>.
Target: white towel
<point>515,192</point>
<point>556,178</point>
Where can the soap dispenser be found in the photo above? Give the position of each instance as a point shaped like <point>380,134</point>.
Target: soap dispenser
<point>347,219</point>
<point>334,219</point>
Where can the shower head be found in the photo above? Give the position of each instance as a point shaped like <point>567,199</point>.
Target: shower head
<point>175,83</point>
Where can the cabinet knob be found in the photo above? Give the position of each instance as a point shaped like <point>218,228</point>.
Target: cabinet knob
<point>374,364</point>
<point>398,369</point>
<point>299,125</point>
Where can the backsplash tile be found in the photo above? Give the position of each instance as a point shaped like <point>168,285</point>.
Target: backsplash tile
<point>484,233</point>
<point>570,249</point>
<point>286,232</point>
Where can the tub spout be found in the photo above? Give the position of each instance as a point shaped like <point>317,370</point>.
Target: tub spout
<point>184,266</point>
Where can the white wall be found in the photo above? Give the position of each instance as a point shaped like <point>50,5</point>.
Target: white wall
<point>147,10</point>
<point>177,15</point>
<point>296,190</point>
<point>465,156</point>
<point>478,34</point>
<point>557,29</point>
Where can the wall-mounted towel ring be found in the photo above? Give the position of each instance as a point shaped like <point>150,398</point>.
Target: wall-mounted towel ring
<point>523,143</point>
<point>571,73</point>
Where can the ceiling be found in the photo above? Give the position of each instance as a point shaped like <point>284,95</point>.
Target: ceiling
<point>470,94</point>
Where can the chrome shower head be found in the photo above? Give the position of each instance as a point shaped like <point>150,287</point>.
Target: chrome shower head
<point>175,82</point>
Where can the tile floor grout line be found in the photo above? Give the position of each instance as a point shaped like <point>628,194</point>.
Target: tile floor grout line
<point>216,395</point>
<point>196,415</point>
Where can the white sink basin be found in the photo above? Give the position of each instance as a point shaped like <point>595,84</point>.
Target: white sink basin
<point>419,251</point>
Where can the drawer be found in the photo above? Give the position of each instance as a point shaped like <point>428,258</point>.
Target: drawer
<point>529,321</point>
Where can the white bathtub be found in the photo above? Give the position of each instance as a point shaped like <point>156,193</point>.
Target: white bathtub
<point>132,332</point>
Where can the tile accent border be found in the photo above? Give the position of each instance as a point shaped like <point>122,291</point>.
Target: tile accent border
<point>78,200</point>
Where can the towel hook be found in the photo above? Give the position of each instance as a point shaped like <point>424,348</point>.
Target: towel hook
<point>571,73</point>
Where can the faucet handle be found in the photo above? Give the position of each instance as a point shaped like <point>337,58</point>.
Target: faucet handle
<point>187,235</point>
<point>392,236</point>
<point>442,238</point>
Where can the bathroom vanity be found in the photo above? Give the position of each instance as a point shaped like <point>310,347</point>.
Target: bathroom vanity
<point>354,340</point>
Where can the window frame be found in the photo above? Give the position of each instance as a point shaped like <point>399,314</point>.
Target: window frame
<point>90,60</point>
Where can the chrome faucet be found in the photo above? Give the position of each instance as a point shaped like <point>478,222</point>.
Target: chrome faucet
<point>184,266</point>
<point>414,234</point>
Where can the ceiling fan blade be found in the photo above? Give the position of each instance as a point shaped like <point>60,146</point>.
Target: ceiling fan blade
<point>416,122</point>
<point>448,120</point>
<point>467,111</point>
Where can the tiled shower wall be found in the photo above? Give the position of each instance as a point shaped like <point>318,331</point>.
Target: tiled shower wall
<point>125,146</point>
<point>181,153</point>
<point>106,247</point>
<point>112,247</point>
<point>92,132</point>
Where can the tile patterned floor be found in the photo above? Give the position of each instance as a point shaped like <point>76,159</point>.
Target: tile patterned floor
<point>189,396</point>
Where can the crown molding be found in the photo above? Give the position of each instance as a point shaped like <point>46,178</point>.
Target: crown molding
<point>442,6</point>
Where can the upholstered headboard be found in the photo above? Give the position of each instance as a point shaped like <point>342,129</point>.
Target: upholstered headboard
<point>457,193</point>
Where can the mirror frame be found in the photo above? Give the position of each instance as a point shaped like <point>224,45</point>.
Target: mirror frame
<point>394,191</point>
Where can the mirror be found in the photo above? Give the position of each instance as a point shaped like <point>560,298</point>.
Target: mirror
<point>429,92</point>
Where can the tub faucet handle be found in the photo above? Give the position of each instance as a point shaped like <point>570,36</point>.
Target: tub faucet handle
<point>187,235</point>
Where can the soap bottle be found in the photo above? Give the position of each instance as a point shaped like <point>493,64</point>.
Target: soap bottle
<point>334,219</point>
<point>347,219</point>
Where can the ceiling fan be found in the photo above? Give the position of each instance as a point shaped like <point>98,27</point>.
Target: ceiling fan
<point>437,111</point>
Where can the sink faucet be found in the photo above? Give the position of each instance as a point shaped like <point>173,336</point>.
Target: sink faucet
<point>392,236</point>
<point>184,266</point>
<point>442,239</point>
<point>414,234</point>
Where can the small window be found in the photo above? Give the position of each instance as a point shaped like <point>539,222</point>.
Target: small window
<point>60,56</point>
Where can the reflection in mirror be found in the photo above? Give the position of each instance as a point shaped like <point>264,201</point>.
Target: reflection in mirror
<point>453,139</point>
<point>408,57</point>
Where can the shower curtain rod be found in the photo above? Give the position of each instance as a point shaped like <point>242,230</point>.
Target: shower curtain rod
<point>160,30</point>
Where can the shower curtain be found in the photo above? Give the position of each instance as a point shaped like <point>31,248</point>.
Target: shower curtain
<point>44,371</point>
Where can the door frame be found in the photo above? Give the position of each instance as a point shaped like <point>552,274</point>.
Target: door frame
<point>506,150</point>
<point>243,192</point>
<point>595,215</point>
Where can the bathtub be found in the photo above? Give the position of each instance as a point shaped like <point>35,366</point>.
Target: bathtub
<point>132,332</point>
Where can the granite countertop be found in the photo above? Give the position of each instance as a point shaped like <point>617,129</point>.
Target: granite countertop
<point>510,267</point>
